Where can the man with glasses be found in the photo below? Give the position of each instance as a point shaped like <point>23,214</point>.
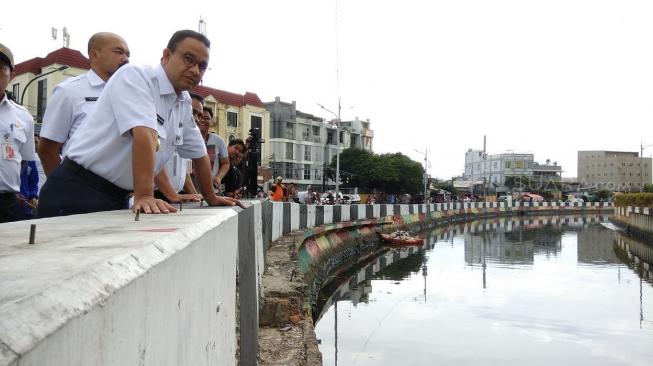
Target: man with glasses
<point>142,118</point>
<point>74,99</point>
<point>16,141</point>
<point>215,147</point>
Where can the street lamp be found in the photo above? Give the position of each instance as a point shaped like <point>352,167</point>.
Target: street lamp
<point>426,154</point>
<point>641,158</point>
<point>335,124</point>
<point>22,96</point>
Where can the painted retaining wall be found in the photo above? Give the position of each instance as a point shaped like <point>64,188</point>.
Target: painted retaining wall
<point>637,219</point>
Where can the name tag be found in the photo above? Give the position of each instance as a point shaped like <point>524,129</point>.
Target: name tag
<point>91,99</point>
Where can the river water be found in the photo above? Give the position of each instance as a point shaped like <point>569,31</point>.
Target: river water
<point>532,291</point>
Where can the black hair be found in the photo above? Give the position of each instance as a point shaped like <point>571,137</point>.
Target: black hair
<point>208,109</point>
<point>237,142</point>
<point>187,33</point>
<point>197,97</point>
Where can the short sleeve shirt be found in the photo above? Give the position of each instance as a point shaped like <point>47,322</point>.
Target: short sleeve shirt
<point>16,143</point>
<point>70,104</point>
<point>135,96</point>
<point>216,149</point>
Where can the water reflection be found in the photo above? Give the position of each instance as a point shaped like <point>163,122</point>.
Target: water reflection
<point>525,291</point>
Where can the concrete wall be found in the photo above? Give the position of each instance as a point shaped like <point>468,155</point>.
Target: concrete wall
<point>639,219</point>
<point>103,289</point>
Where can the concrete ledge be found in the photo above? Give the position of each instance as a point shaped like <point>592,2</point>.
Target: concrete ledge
<point>111,290</point>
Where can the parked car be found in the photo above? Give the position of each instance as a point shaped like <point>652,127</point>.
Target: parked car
<point>503,198</point>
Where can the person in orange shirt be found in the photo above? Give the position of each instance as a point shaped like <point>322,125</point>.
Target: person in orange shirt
<point>278,191</point>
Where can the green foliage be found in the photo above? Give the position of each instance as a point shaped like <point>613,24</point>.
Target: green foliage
<point>390,173</point>
<point>603,194</point>
<point>521,181</point>
<point>634,199</point>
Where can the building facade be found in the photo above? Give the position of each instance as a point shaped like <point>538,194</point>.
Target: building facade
<point>235,114</point>
<point>496,168</point>
<point>36,78</point>
<point>613,170</point>
<point>303,145</point>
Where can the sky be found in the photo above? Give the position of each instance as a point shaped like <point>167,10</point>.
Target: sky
<point>546,77</point>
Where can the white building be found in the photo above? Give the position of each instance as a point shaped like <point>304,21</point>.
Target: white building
<point>302,145</point>
<point>495,168</point>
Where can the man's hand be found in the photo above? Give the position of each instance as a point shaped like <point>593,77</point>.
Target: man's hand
<point>195,197</point>
<point>223,201</point>
<point>149,204</point>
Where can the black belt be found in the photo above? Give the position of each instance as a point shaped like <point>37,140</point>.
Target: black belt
<point>94,179</point>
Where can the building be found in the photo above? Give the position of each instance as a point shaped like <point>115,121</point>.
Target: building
<point>235,114</point>
<point>613,170</point>
<point>496,168</point>
<point>303,145</point>
<point>360,134</point>
<point>36,78</point>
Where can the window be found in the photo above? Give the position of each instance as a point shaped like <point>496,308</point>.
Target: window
<point>15,89</point>
<point>232,119</point>
<point>289,154</point>
<point>330,138</point>
<point>307,171</point>
<point>519,164</point>
<point>290,130</point>
<point>307,152</point>
<point>507,164</point>
<point>42,100</point>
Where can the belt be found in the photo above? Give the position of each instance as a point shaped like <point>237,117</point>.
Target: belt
<point>94,179</point>
<point>5,195</point>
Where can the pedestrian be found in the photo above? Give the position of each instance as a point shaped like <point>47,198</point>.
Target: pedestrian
<point>215,147</point>
<point>233,180</point>
<point>73,100</point>
<point>16,140</point>
<point>278,190</point>
<point>142,117</point>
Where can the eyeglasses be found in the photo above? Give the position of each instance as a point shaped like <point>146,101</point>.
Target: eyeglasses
<point>191,61</point>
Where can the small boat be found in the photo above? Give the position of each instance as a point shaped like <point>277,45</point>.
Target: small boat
<point>400,238</point>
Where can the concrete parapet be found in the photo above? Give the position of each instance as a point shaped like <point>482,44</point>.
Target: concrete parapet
<point>103,289</point>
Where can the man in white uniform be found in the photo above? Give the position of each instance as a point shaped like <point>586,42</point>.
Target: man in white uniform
<point>74,99</point>
<point>16,140</point>
<point>142,117</point>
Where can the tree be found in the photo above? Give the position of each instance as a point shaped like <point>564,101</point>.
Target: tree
<point>390,173</point>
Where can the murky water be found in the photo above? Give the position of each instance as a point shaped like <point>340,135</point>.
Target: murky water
<point>540,291</point>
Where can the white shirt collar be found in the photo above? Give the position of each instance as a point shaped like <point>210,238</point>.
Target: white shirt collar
<point>93,78</point>
<point>165,86</point>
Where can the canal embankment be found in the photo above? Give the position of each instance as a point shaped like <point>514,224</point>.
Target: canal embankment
<point>300,262</point>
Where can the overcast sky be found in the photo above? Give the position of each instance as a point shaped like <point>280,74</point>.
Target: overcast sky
<point>547,77</point>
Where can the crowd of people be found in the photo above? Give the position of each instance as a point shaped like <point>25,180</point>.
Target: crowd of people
<point>117,136</point>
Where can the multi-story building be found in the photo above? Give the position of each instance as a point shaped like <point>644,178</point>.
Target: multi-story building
<point>36,78</point>
<point>613,170</point>
<point>303,145</point>
<point>235,114</point>
<point>495,168</point>
<point>360,134</point>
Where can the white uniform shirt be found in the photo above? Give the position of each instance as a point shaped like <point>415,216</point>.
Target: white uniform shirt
<point>70,104</point>
<point>135,96</point>
<point>16,143</point>
<point>176,169</point>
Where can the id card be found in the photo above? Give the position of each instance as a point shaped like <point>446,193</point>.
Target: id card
<point>8,151</point>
